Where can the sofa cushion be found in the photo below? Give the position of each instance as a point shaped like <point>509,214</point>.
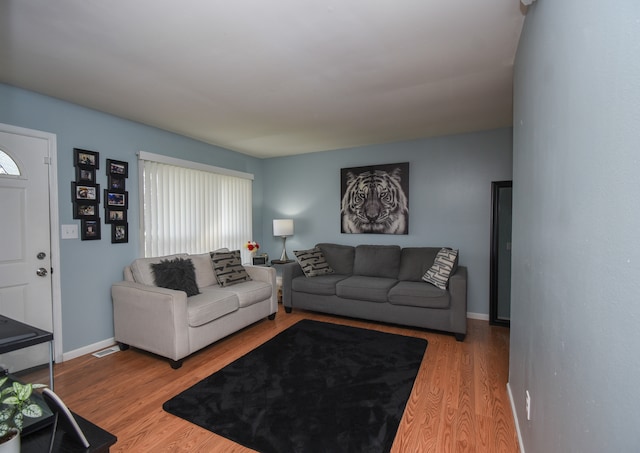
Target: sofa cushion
<point>415,261</point>
<point>442,268</point>
<point>178,274</point>
<point>313,262</point>
<point>373,289</point>
<point>251,292</point>
<point>377,261</point>
<point>324,285</point>
<point>419,294</point>
<point>228,268</point>
<point>212,303</point>
<point>339,257</point>
<point>204,270</point>
<point>141,268</point>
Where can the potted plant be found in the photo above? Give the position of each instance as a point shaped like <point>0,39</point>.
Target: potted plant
<point>15,404</point>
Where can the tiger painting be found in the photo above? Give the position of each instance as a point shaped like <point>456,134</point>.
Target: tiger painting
<point>374,201</point>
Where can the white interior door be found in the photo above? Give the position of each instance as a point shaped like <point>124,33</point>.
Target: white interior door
<point>25,241</point>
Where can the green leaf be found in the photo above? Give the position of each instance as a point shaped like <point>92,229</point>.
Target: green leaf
<point>11,400</point>
<point>32,411</point>
<point>3,380</point>
<point>17,420</point>
<point>4,429</point>
<point>23,392</point>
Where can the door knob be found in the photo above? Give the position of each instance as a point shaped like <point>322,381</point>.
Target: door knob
<point>42,272</point>
<point>41,255</point>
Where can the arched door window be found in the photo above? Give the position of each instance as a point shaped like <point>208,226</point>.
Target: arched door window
<point>8,166</point>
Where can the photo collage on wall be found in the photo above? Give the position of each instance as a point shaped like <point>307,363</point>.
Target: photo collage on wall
<point>85,195</point>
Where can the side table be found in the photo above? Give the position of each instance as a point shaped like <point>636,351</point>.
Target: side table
<point>276,264</point>
<point>16,335</point>
<point>99,440</point>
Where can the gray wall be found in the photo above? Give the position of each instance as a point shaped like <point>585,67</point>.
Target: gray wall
<point>450,197</point>
<point>89,267</point>
<point>576,242</point>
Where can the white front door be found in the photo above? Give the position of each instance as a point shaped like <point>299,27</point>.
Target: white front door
<point>25,241</point>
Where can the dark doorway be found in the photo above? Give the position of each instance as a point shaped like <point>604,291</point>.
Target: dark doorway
<point>500,298</point>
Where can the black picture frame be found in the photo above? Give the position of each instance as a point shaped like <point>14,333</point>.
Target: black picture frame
<point>116,198</point>
<point>117,168</point>
<point>87,210</point>
<point>392,177</point>
<point>117,183</point>
<point>85,174</point>
<point>86,158</point>
<point>119,233</point>
<point>90,229</point>
<point>115,215</point>
<point>83,192</point>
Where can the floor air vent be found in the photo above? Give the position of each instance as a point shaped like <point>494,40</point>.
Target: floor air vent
<point>105,352</point>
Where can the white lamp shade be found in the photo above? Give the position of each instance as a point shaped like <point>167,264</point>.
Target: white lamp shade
<point>282,227</point>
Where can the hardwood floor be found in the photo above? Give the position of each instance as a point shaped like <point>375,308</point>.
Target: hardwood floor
<point>459,401</point>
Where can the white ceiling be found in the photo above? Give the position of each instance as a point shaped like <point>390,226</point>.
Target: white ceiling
<point>272,77</point>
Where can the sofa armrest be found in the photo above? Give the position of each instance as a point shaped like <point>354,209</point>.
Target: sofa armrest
<point>289,272</point>
<point>458,293</point>
<point>261,273</point>
<point>151,318</point>
<point>268,275</point>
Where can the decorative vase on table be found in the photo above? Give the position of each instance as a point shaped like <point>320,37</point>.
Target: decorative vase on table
<point>13,444</point>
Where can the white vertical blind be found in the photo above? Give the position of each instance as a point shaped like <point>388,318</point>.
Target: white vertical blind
<point>192,210</point>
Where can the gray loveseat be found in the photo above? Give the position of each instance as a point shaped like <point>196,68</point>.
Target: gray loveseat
<point>168,323</point>
<point>380,283</point>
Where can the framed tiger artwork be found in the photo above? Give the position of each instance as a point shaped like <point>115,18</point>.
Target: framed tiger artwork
<point>375,199</point>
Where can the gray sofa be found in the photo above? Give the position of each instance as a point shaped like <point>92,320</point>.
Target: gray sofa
<point>168,323</point>
<point>380,283</point>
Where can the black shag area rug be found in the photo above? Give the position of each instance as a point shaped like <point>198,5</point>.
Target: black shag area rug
<point>316,387</point>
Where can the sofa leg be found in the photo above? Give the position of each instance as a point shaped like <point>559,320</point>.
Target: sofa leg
<point>287,309</point>
<point>175,364</point>
<point>123,346</point>
<point>272,316</point>
<point>460,336</point>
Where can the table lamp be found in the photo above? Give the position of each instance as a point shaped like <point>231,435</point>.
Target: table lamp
<point>283,228</point>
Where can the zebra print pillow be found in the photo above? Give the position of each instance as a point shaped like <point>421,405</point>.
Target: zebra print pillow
<point>228,268</point>
<point>438,275</point>
<point>313,262</point>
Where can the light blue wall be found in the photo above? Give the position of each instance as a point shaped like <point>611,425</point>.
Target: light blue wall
<point>89,267</point>
<point>576,242</point>
<point>450,197</point>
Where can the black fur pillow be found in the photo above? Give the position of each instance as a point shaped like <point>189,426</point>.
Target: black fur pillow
<point>177,274</point>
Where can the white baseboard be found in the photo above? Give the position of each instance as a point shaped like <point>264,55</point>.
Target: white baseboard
<point>480,316</point>
<point>88,349</point>
<point>515,418</point>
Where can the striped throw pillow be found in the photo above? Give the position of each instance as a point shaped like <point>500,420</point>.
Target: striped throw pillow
<point>313,262</point>
<point>438,275</point>
<point>228,268</point>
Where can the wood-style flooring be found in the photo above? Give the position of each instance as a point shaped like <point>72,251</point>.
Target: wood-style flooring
<point>459,401</point>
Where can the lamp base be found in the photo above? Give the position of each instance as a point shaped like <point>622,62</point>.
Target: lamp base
<point>284,256</point>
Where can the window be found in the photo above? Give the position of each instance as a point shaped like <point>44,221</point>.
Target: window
<point>7,165</point>
<point>193,208</point>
